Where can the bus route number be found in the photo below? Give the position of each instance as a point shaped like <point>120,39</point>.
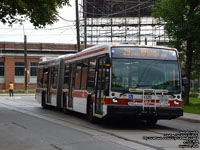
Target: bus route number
<point>127,52</point>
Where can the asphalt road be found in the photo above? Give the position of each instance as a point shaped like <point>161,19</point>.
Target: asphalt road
<point>24,125</point>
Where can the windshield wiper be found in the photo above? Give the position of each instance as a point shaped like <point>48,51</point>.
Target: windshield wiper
<point>124,92</point>
<point>172,94</point>
<point>142,86</point>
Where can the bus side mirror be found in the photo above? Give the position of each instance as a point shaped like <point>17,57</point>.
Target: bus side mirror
<point>183,74</point>
<point>184,81</point>
<point>107,62</point>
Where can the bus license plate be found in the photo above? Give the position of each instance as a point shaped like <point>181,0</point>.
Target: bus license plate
<point>164,99</point>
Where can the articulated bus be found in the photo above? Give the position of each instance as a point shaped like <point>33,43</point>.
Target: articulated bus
<point>141,82</point>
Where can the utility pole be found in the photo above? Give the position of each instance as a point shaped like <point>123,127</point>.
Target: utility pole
<point>139,26</point>
<point>111,29</point>
<point>25,66</point>
<point>111,24</point>
<point>85,23</point>
<point>77,27</point>
<point>145,41</point>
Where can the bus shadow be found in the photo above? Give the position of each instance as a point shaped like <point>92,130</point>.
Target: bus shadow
<point>121,123</point>
<point>112,123</point>
<point>132,124</point>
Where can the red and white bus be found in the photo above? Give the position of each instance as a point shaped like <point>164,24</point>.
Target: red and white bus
<point>114,80</point>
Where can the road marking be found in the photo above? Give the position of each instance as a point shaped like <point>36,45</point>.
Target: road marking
<point>18,97</point>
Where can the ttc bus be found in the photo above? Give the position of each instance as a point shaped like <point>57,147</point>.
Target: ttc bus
<point>142,82</point>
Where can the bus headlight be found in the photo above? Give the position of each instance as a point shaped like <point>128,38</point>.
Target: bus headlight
<point>114,100</point>
<point>176,102</point>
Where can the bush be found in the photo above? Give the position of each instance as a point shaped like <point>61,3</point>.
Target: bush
<point>194,93</point>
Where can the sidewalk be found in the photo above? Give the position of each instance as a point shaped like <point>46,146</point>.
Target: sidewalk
<point>18,94</point>
<point>190,117</point>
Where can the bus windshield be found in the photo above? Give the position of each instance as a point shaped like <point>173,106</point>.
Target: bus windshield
<point>145,74</point>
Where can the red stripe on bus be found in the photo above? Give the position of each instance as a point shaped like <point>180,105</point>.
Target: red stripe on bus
<point>80,94</point>
<point>54,92</point>
<point>89,53</point>
<point>139,101</point>
<point>125,101</point>
<point>172,104</point>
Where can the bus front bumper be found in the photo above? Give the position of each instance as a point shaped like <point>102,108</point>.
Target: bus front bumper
<point>138,112</point>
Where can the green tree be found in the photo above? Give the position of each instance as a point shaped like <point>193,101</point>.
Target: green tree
<point>39,12</point>
<point>182,24</point>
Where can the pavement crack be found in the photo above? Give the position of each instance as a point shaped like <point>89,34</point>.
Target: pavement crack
<point>56,147</point>
<point>19,125</point>
<point>138,142</point>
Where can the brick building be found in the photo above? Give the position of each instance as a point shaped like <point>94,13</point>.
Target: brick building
<point>12,61</point>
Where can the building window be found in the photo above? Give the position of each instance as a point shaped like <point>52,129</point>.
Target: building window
<point>19,72</point>
<point>2,77</point>
<point>33,72</point>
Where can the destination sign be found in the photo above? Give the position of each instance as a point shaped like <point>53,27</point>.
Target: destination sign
<point>145,53</point>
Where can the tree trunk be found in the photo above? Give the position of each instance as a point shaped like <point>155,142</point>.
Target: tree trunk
<point>189,53</point>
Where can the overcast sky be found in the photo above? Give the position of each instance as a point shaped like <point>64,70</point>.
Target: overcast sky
<point>61,32</point>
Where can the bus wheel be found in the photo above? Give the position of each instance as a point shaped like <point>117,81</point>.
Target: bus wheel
<point>91,117</point>
<point>43,101</point>
<point>65,110</point>
<point>151,122</point>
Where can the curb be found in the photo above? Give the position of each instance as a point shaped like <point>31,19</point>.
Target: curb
<point>195,118</point>
<point>189,120</point>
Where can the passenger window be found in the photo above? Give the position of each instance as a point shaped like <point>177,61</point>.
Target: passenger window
<point>84,74</point>
<point>45,77</point>
<point>66,77</point>
<point>78,75</point>
<point>54,78</point>
<point>40,78</point>
<point>91,74</point>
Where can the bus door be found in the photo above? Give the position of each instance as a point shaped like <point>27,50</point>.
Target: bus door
<point>45,83</point>
<point>71,85</point>
<point>100,85</point>
<point>49,86</point>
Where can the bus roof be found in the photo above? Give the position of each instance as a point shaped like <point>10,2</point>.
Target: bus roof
<point>89,52</point>
<point>94,51</point>
<point>103,49</point>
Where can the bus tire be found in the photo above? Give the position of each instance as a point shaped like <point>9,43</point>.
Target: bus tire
<point>151,122</point>
<point>65,110</point>
<point>91,117</point>
<point>43,104</point>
